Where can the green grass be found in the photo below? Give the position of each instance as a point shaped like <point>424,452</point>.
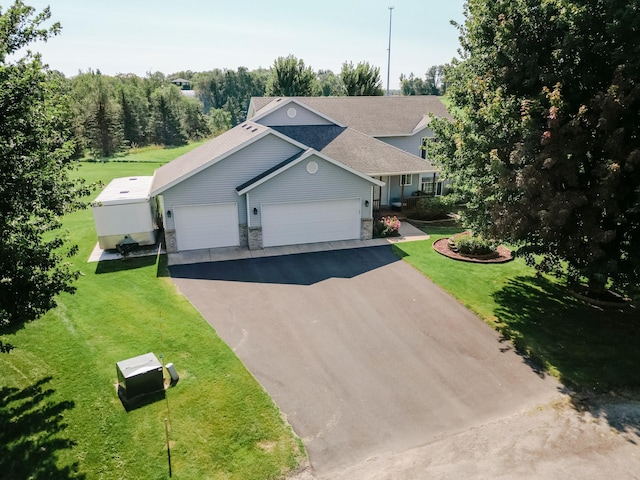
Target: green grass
<point>151,153</point>
<point>583,346</point>
<point>60,416</point>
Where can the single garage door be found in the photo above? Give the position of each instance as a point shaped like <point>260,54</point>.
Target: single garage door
<point>310,222</point>
<point>206,226</point>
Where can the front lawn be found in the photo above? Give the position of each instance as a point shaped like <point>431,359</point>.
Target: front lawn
<point>583,346</point>
<point>60,416</point>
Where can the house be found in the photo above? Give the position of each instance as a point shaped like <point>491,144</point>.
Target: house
<point>299,170</point>
<point>183,83</point>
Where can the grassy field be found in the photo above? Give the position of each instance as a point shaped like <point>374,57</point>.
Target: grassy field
<point>585,347</point>
<point>60,416</point>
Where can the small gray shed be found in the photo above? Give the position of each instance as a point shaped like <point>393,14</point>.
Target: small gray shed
<point>123,211</point>
<point>139,375</point>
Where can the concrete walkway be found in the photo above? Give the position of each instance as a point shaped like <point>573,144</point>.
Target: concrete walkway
<point>408,233</point>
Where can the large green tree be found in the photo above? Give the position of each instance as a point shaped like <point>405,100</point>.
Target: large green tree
<point>230,90</point>
<point>35,188</point>
<point>545,147</point>
<point>361,80</point>
<point>99,114</point>
<point>434,82</point>
<point>291,78</point>
<point>134,108</point>
<point>330,84</point>
<point>165,125</point>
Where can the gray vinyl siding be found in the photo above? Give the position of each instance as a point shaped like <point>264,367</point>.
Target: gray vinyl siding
<point>303,117</point>
<point>217,183</point>
<point>409,144</point>
<point>395,189</point>
<point>296,185</point>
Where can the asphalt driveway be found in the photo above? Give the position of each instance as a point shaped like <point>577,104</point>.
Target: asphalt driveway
<point>360,351</point>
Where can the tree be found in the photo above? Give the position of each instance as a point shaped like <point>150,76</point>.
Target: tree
<point>435,80</point>
<point>433,84</point>
<point>362,80</point>
<point>194,122</point>
<point>413,85</point>
<point>291,78</point>
<point>165,125</point>
<point>545,147</point>
<point>134,107</point>
<point>230,90</point>
<point>103,127</point>
<point>35,188</point>
<point>219,121</point>
<point>330,84</point>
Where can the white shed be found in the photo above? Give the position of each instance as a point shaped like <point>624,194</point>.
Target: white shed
<point>123,212</point>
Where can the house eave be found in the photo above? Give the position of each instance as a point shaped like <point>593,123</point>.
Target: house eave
<point>403,172</point>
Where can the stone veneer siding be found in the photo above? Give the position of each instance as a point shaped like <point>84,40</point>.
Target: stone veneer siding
<point>170,242</point>
<point>366,229</point>
<point>255,238</point>
<point>244,235</point>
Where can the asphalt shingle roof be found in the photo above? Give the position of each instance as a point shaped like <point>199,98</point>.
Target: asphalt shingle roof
<point>205,155</point>
<point>357,150</point>
<point>375,116</point>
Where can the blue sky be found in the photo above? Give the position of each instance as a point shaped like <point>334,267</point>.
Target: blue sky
<point>138,36</point>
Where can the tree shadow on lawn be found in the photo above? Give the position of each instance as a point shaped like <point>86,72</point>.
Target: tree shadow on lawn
<point>594,351</point>
<point>31,433</point>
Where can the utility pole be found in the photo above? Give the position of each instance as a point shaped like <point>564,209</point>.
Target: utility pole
<point>389,50</point>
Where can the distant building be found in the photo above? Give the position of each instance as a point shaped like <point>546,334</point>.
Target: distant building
<point>182,83</point>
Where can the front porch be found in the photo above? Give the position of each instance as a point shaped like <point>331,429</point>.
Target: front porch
<point>401,193</point>
<point>399,207</point>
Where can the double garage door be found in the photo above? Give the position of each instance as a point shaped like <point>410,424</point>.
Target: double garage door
<point>310,222</point>
<point>216,225</point>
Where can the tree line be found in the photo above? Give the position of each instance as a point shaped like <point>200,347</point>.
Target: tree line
<point>114,113</point>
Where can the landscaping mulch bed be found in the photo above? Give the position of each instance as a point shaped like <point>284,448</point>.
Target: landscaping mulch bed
<point>441,246</point>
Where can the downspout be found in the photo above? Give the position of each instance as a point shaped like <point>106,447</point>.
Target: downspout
<point>248,213</point>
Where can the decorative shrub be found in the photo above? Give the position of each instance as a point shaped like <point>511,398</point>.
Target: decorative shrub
<point>467,244</point>
<point>431,208</point>
<point>386,227</point>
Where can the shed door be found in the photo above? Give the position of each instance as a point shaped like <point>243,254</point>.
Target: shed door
<point>206,226</point>
<point>310,222</point>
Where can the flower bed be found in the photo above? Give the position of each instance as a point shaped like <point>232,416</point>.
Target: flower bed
<point>502,254</point>
<point>386,227</point>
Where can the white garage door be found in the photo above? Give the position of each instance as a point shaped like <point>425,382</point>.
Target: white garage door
<point>206,226</point>
<point>295,223</point>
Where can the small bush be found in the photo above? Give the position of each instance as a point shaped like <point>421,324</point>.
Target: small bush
<point>431,208</point>
<point>386,227</point>
<point>469,245</point>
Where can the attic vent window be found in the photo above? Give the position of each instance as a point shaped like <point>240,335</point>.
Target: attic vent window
<point>254,130</point>
<point>278,100</point>
<point>244,125</point>
<point>312,168</point>
<point>292,112</point>
<point>122,192</point>
<point>133,178</point>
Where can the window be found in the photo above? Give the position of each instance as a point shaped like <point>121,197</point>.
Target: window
<point>431,188</point>
<point>424,148</point>
<point>406,179</point>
